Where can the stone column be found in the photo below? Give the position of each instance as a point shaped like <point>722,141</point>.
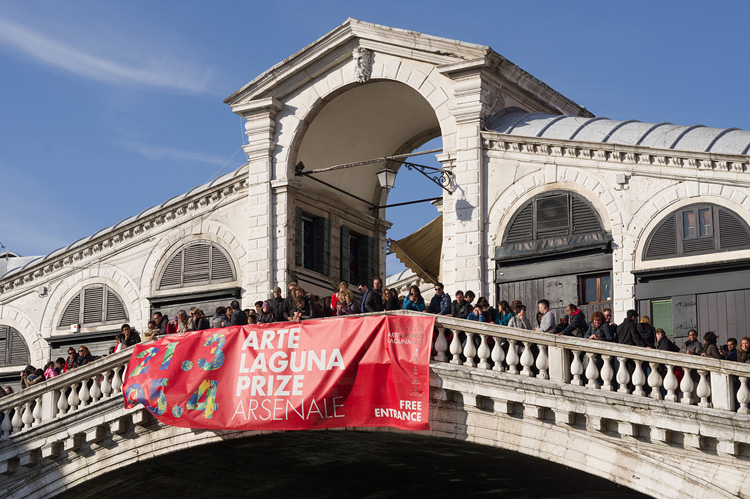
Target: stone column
<point>464,212</point>
<point>258,275</point>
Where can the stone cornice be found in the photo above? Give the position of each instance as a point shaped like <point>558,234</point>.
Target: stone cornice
<point>616,154</point>
<point>135,227</point>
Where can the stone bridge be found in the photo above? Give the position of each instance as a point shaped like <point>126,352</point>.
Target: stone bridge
<point>614,411</point>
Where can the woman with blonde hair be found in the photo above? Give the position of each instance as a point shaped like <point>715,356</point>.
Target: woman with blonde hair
<point>335,297</point>
<point>346,304</point>
<point>84,356</point>
<point>647,332</point>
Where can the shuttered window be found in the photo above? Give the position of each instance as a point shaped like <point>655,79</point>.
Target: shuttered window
<point>312,248</point>
<point>697,229</point>
<point>94,305</point>
<point>357,257</point>
<point>13,349</point>
<point>195,264</point>
<point>549,215</point>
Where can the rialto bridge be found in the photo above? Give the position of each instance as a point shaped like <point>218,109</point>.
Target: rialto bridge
<point>614,411</point>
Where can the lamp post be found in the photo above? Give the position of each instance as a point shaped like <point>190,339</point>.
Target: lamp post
<point>387,178</point>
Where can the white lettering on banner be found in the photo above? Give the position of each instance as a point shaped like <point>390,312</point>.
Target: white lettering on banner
<point>268,337</point>
<point>404,414</point>
<point>279,409</point>
<point>297,361</point>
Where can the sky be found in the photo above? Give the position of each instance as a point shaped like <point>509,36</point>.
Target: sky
<point>108,108</point>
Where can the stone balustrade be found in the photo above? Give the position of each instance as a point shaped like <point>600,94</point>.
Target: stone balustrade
<point>595,365</point>
<point>61,395</point>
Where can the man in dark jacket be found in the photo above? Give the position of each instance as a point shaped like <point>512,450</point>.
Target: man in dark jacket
<point>576,322</point>
<point>276,302</point>
<point>441,302</point>
<point>627,332</point>
<point>372,300</point>
<point>239,318</point>
<point>290,302</point>
<point>460,308</point>
<point>161,322</point>
<point>664,343</point>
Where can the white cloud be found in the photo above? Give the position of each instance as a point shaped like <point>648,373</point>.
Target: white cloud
<point>155,153</point>
<point>58,53</point>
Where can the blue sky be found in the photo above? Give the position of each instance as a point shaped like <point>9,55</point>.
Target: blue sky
<point>107,108</point>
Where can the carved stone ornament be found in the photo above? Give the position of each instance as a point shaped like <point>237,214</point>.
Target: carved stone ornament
<point>362,60</point>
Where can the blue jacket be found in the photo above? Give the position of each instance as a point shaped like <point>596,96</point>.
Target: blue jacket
<point>479,318</point>
<point>440,305</point>
<point>410,305</point>
<point>503,319</point>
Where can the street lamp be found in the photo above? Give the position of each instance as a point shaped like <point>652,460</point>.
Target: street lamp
<point>387,178</point>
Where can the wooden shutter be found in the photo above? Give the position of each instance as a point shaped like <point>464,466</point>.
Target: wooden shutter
<point>585,220</point>
<point>221,267</point>
<point>345,254</point>
<point>4,341</point>
<point>71,314</point>
<point>93,305</point>
<point>18,353</point>
<point>366,252</point>
<point>663,242</point>
<point>115,309</point>
<point>522,227</point>
<point>321,233</point>
<point>298,242</point>
<point>196,267</point>
<point>172,275</point>
<point>552,216</point>
<point>732,231</point>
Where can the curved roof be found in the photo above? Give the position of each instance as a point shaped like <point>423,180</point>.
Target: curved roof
<point>632,133</point>
<point>143,214</point>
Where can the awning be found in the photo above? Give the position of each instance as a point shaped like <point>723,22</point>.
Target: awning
<point>422,250</point>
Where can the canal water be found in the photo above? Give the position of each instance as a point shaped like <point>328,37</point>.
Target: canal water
<point>344,464</point>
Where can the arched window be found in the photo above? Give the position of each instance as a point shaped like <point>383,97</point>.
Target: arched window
<point>553,214</point>
<point>697,229</point>
<point>197,263</point>
<point>94,305</point>
<point>13,349</point>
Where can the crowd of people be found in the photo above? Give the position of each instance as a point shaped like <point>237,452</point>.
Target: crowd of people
<point>300,305</point>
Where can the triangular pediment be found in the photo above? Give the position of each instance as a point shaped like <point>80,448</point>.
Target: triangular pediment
<point>450,57</point>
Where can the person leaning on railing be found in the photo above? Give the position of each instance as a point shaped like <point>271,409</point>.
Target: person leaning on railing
<point>414,301</point>
<point>599,329</point>
<point>710,349</point>
<point>520,320</point>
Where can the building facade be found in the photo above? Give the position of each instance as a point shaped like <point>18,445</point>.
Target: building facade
<point>546,201</point>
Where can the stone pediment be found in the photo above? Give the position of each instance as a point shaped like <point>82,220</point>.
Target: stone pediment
<point>452,58</point>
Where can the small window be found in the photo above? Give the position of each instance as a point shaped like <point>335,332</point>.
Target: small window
<point>93,306</point>
<point>357,256</point>
<point>312,242</point>
<point>688,224</point>
<point>705,222</point>
<point>595,288</point>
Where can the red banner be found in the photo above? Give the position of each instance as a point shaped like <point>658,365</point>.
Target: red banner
<point>356,371</point>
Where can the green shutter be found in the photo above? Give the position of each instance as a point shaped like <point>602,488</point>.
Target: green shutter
<point>345,253</point>
<point>661,315</point>
<point>321,227</point>
<point>366,244</point>
<point>298,243</point>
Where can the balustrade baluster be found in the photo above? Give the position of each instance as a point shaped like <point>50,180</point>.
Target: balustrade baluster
<point>542,362</point>
<point>73,400</point>
<point>62,403</point>
<point>441,346</point>
<point>106,385</point>
<point>26,417</point>
<point>7,427</point>
<point>117,380</point>
<point>654,381</point>
<point>527,359</point>
<point>687,386</point>
<point>456,348</point>
<point>670,384</point>
<point>96,392</point>
<point>83,394</point>
<point>743,396</point>
<point>623,376</point>
<point>483,353</point>
<point>639,379</point>
<point>592,373</point>
<point>704,389</point>
<point>37,412</point>
<point>576,368</point>
<point>512,357</point>
<point>607,373</point>
<point>470,350</point>
<point>498,356</point>
<point>17,421</point>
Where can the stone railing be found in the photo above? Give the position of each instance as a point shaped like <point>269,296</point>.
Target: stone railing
<point>64,394</point>
<point>595,365</point>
